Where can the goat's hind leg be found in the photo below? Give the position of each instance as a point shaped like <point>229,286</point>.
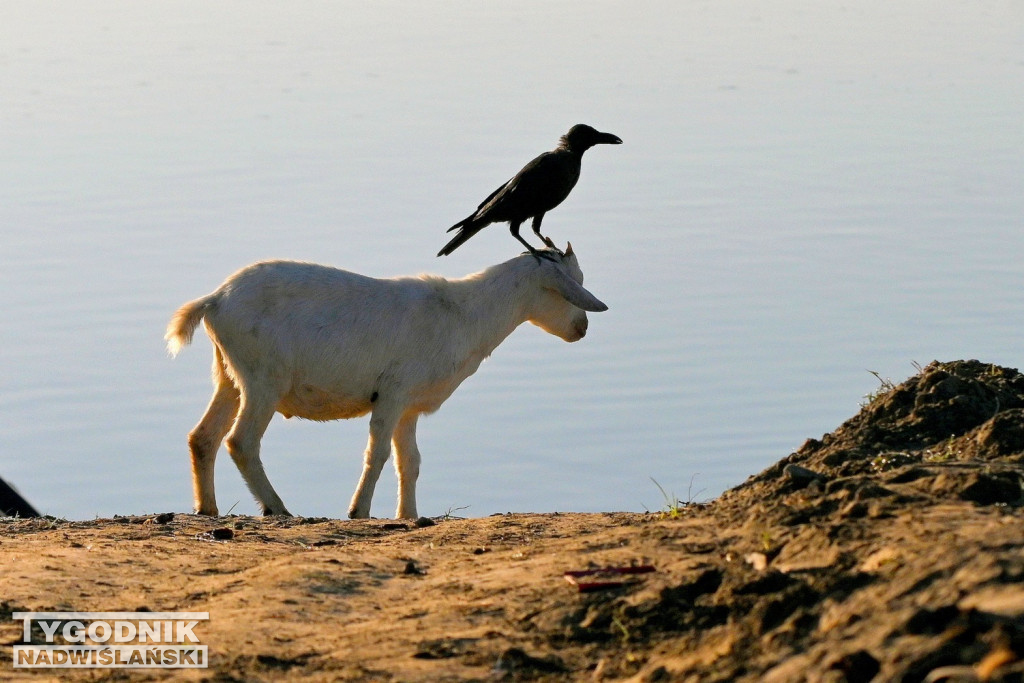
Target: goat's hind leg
<point>243,444</point>
<point>204,440</point>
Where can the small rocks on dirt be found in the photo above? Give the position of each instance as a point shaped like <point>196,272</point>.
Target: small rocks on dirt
<point>219,534</point>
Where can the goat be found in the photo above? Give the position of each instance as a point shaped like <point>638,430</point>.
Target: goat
<point>320,343</point>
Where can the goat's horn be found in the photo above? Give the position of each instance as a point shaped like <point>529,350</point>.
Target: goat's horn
<point>568,249</point>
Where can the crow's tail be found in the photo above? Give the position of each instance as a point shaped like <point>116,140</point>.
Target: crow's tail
<point>467,228</point>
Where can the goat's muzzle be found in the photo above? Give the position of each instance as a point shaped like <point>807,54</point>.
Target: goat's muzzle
<point>581,329</point>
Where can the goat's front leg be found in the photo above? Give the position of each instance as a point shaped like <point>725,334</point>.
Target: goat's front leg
<point>407,465</point>
<point>378,449</point>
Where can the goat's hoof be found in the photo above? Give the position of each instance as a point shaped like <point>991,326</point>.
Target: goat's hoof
<point>270,513</point>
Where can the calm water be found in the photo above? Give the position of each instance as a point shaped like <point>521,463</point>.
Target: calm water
<point>807,191</point>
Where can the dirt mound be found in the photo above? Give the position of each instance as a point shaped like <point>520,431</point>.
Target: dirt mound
<point>888,550</point>
<point>955,430</point>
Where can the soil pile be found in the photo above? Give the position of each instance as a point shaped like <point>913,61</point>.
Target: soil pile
<point>891,549</point>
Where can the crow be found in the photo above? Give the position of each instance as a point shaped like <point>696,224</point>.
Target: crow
<point>541,186</point>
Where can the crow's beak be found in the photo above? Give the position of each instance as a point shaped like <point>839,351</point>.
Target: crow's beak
<point>609,139</point>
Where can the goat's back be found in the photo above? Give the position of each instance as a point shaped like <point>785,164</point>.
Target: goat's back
<point>331,328</point>
<point>297,301</point>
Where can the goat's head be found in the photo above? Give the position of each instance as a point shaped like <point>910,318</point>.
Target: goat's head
<point>563,304</point>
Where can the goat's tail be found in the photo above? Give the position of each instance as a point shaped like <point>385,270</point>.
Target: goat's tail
<point>184,322</point>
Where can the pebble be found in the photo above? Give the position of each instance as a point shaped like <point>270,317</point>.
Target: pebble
<point>802,475</point>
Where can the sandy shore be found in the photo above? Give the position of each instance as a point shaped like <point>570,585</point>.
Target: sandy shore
<point>891,549</point>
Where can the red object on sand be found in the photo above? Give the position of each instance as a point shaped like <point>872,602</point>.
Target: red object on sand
<point>587,580</point>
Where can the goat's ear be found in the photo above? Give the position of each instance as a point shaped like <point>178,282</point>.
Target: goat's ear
<point>575,293</point>
<point>568,249</point>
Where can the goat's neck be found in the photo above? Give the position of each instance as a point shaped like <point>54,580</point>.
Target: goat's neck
<point>497,302</point>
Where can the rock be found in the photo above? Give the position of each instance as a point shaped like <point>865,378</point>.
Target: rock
<point>801,476</point>
<point>759,561</point>
<point>887,556</point>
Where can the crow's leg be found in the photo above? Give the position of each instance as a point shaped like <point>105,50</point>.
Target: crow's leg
<point>536,228</point>
<point>537,254</point>
<point>514,228</point>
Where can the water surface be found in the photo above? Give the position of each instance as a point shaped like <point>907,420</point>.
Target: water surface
<point>807,191</point>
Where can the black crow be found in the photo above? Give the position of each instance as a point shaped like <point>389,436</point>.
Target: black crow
<point>541,186</point>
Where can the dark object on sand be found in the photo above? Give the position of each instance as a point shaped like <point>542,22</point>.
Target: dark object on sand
<point>12,504</point>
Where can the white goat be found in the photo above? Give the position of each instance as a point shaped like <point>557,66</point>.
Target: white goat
<point>324,344</point>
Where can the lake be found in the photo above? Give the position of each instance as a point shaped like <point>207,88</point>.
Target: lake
<point>806,191</point>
